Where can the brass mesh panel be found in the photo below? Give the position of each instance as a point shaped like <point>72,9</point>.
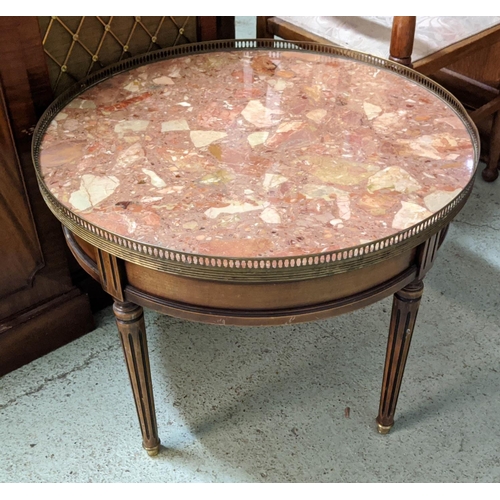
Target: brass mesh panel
<point>76,46</point>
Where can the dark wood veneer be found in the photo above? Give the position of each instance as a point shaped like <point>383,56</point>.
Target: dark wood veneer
<point>40,309</point>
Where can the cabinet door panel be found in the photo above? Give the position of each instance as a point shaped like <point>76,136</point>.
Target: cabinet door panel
<point>20,253</point>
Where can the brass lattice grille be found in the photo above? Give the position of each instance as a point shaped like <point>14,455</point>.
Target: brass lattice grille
<point>79,45</point>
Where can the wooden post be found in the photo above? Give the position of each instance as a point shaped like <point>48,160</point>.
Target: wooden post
<point>403,34</point>
<point>490,173</point>
<point>130,322</point>
<point>262,31</point>
<point>404,313</point>
<point>215,28</point>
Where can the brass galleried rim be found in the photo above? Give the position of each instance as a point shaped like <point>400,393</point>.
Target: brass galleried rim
<point>239,269</point>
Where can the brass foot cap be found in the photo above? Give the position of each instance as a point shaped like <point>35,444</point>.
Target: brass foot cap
<point>152,452</point>
<point>383,429</point>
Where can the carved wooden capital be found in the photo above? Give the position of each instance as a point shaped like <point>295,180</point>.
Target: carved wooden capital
<point>112,274</point>
<point>126,311</point>
<point>411,292</point>
<point>405,61</point>
<point>428,251</point>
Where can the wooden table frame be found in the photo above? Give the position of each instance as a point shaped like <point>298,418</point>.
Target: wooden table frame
<point>129,283</point>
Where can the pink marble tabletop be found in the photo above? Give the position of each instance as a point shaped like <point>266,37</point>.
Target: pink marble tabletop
<point>256,154</point>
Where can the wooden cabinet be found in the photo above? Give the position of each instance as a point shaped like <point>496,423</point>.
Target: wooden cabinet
<point>40,308</point>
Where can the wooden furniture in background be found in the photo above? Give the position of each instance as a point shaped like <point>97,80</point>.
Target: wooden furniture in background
<point>77,46</point>
<point>40,306</point>
<point>468,67</point>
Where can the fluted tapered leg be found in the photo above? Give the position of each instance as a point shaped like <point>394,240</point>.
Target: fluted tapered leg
<point>404,314</point>
<point>130,321</point>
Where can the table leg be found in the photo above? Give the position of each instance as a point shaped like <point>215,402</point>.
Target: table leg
<point>490,173</point>
<point>404,314</point>
<point>130,322</point>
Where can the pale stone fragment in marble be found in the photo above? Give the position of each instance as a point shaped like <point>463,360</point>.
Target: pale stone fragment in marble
<point>343,204</point>
<point>393,178</point>
<point>273,180</point>
<point>409,214</point>
<point>281,85</point>
<point>163,80</point>
<point>233,208</point>
<point>151,199</point>
<point>260,116</point>
<point>270,215</point>
<point>132,154</point>
<point>289,127</point>
<point>317,115</point>
<point>371,110</point>
<point>131,126</point>
<point>134,86</point>
<point>438,199</point>
<point>336,222</point>
<point>174,125</point>
<point>203,138</point>
<point>155,179</point>
<point>93,190</point>
<point>257,138</point>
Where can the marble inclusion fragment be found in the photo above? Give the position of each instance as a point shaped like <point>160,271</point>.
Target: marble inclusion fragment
<point>233,208</point>
<point>256,138</point>
<point>438,199</point>
<point>62,153</point>
<point>163,80</point>
<point>221,176</point>
<point>341,172</point>
<point>317,115</point>
<point>131,126</point>
<point>156,180</point>
<point>270,215</point>
<point>273,180</point>
<point>329,193</point>
<point>371,110</point>
<point>259,115</point>
<point>394,179</point>
<point>409,214</point>
<point>203,138</point>
<point>174,125</point>
<point>93,190</point>
<point>131,155</point>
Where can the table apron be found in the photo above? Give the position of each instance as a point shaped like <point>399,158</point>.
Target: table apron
<point>261,303</point>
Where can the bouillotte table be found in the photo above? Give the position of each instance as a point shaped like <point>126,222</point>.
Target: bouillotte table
<point>256,183</point>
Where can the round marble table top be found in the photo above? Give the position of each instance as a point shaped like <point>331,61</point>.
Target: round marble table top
<point>256,154</point>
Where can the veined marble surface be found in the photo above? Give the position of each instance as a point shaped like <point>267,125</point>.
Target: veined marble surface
<point>256,154</point>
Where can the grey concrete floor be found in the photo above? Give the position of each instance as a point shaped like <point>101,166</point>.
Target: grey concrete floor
<point>268,404</point>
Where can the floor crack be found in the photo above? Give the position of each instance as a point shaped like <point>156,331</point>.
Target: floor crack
<point>477,225</point>
<point>61,376</point>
